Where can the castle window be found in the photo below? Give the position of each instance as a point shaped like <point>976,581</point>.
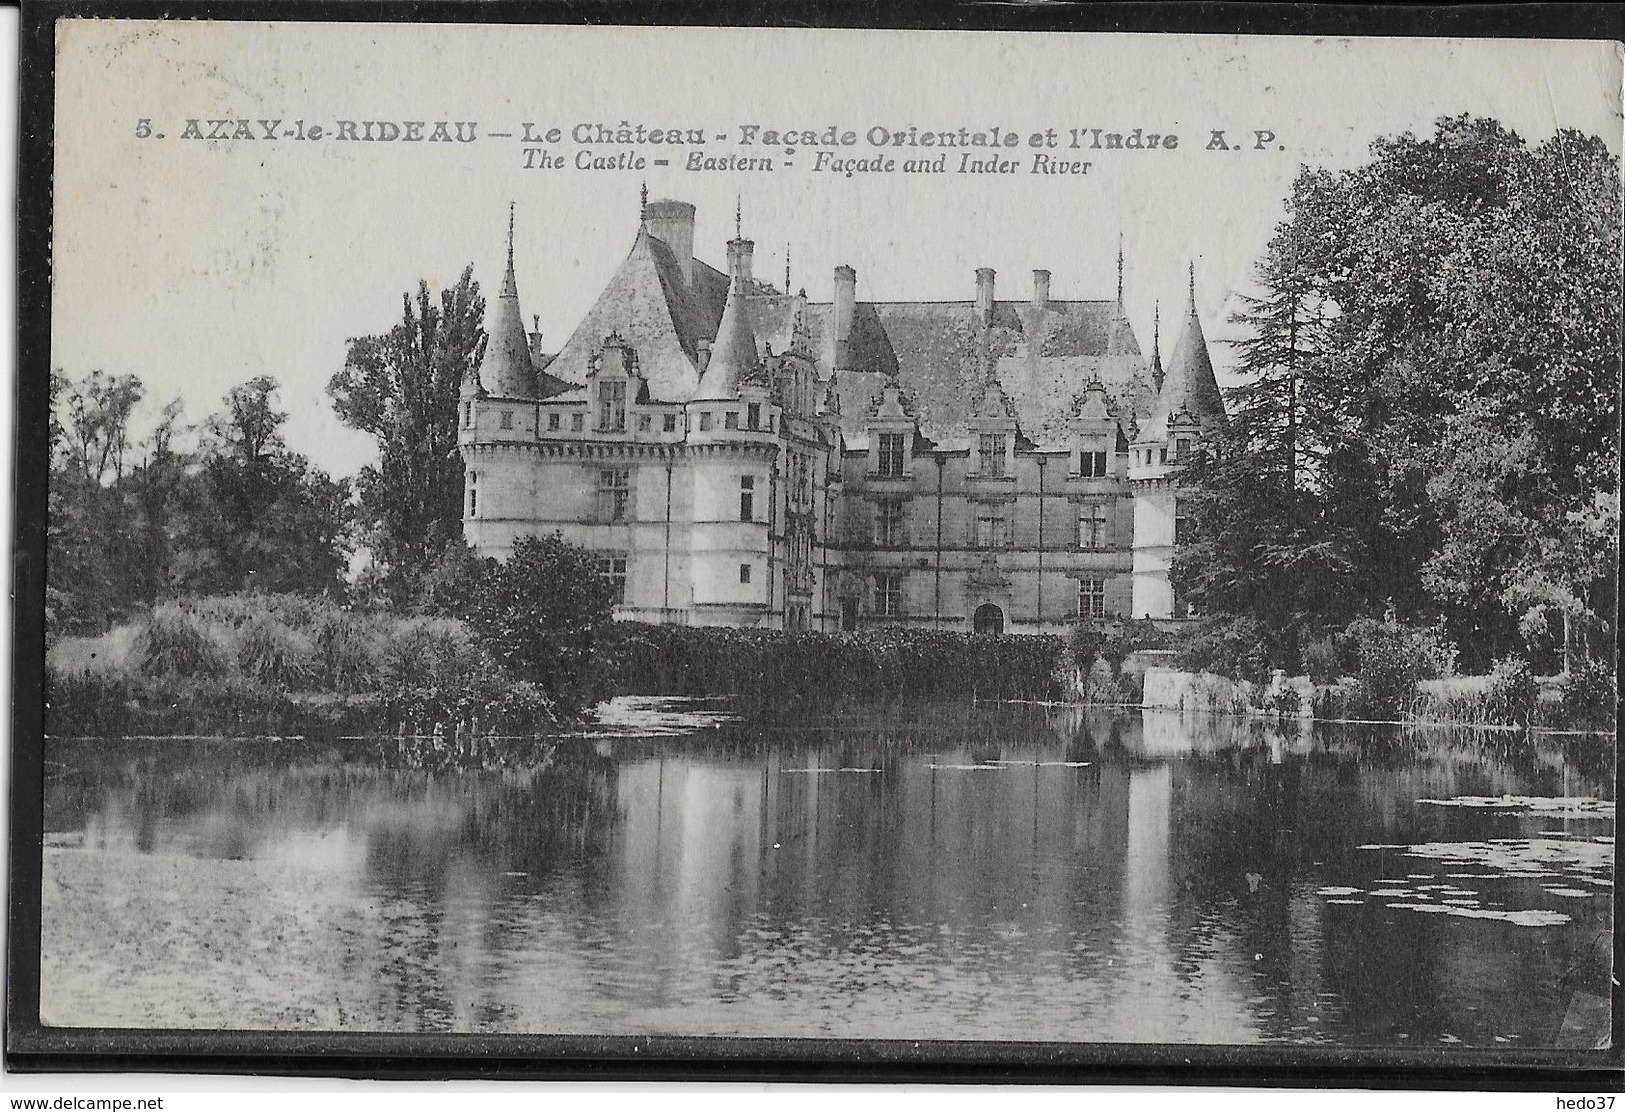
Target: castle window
<point>578,421</point>
<point>705,422</point>
<point>744,573</point>
<point>473,494</point>
<point>1092,465</point>
<point>1182,524</point>
<point>1182,450</point>
<point>889,594</point>
<point>507,419</point>
<point>1092,597</point>
<point>670,424</point>
<point>990,531</point>
<point>645,422</point>
<point>1164,455</point>
<point>730,419</point>
<point>990,463</point>
<point>889,523</point>
<point>891,455</point>
<point>1092,526</point>
<point>612,406</point>
<point>614,493</point>
<point>613,571</point>
<point>553,422</point>
<point>747,498</point>
<point>753,415</point>
<point>468,414</point>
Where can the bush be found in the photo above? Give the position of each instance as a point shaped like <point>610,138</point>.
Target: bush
<point>344,655</point>
<point>1590,694</point>
<point>1283,701</point>
<point>1323,659</point>
<point>270,652</point>
<point>1510,697</point>
<point>173,642</point>
<point>1237,648</point>
<point>1391,658</point>
<point>429,651</point>
<point>1086,642</point>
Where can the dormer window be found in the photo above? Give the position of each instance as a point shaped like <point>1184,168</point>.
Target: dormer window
<point>753,415</point>
<point>1182,449</point>
<point>1092,465</point>
<point>990,462</point>
<point>612,406</point>
<point>891,455</point>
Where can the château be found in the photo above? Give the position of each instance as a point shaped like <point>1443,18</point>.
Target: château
<point>739,454</point>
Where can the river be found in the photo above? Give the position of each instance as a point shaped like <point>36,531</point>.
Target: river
<point>1002,872</point>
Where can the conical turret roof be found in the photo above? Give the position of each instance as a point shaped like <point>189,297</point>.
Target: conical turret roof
<point>734,353</point>
<point>506,370</point>
<point>1189,384</point>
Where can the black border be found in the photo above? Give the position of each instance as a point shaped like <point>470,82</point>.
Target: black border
<point>30,1047</point>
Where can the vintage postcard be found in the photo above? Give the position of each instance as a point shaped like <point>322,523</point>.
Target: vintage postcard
<point>798,533</point>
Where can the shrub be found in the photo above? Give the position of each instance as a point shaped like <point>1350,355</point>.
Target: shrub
<point>1323,659</point>
<point>423,651</point>
<point>1235,647</point>
<point>1391,659</point>
<point>1284,701</point>
<point>1590,693</point>
<point>1510,697</point>
<point>344,655</point>
<point>173,642</point>
<point>1086,643</point>
<point>270,652</point>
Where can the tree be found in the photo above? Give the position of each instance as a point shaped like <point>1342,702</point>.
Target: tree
<point>401,388</point>
<point>1430,398</point>
<point>259,517</point>
<point>543,613</point>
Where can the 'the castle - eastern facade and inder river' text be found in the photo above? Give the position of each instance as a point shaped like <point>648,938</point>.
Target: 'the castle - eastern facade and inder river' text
<point>740,455</point>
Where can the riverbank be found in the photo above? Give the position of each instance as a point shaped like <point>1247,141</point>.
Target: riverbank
<point>258,665</point>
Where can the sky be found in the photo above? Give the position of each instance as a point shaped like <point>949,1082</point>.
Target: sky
<point>198,264</point>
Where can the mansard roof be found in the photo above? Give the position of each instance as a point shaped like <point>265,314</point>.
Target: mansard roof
<point>939,352</point>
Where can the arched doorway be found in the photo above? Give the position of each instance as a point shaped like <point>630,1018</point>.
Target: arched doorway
<point>988,619</point>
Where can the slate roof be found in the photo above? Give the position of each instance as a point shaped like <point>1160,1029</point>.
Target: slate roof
<point>734,355</point>
<point>1189,382</point>
<point>939,352</point>
<point>937,349</point>
<point>506,370</point>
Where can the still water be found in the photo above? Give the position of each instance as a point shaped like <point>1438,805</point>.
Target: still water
<point>1004,872</point>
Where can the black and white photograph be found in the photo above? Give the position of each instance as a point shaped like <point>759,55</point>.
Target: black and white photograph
<point>855,535</point>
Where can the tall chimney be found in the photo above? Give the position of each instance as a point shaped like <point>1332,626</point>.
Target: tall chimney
<point>672,222</point>
<point>846,295</point>
<point>1040,290</point>
<point>741,251</point>
<point>984,295</point>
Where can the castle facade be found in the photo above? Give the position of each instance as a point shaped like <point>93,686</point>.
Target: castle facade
<point>740,455</point>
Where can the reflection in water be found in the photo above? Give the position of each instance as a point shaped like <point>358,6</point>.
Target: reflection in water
<point>1010,872</point>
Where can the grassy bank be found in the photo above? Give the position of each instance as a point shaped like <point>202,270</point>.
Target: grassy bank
<point>274,664</point>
